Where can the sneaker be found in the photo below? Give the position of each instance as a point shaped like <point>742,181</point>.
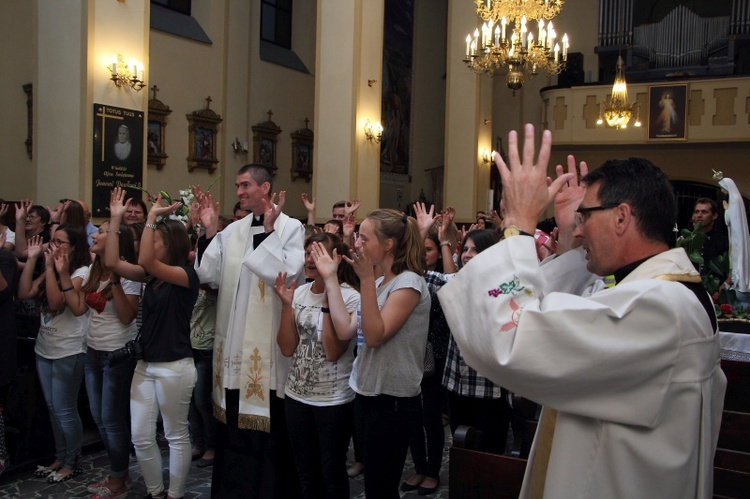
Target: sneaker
<point>107,493</point>
<point>96,487</point>
<point>355,469</point>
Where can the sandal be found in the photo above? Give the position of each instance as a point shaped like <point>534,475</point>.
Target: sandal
<point>58,477</point>
<point>44,471</point>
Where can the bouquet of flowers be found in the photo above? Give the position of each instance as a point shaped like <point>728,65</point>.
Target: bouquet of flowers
<point>182,213</point>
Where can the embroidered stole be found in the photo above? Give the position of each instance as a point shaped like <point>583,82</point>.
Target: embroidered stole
<point>258,339</point>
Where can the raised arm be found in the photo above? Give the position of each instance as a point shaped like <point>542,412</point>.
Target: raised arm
<point>117,207</point>
<point>310,208</point>
<point>379,326</point>
<point>28,287</point>
<point>287,336</point>
<point>425,218</point>
<point>126,305</point>
<point>172,274</point>
<point>72,296</point>
<point>566,203</point>
<point>22,212</point>
<point>339,324</point>
<point>446,248</point>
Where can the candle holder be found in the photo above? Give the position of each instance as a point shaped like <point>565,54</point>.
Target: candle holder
<point>124,75</point>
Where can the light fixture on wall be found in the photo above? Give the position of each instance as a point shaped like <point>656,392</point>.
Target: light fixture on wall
<point>616,110</point>
<point>238,147</point>
<point>491,49</point>
<point>124,75</point>
<point>373,131</point>
<point>486,155</point>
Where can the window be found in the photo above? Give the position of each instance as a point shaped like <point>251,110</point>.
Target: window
<point>181,6</point>
<point>276,22</point>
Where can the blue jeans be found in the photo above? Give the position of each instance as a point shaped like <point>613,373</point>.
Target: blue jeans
<point>60,380</point>
<point>202,422</point>
<point>108,388</point>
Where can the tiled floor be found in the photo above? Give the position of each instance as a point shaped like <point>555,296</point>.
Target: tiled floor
<point>95,466</point>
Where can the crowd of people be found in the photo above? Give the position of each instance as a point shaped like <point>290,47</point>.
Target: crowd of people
<point>263,345</point>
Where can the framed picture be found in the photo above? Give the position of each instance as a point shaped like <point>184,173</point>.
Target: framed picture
<point>265,136</point>
<point>302,146</point>
<point>667,112</point>
<point>203,128</point>
<point>155,138</point>
<point>117,154</point>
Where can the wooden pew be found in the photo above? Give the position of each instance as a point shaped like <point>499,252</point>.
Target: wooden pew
<point>480,475</point>
<point>732,461</point>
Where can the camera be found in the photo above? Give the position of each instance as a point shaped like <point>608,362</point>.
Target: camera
<point>131,352</point>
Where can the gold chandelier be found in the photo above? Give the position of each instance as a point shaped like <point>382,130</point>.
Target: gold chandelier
<point>491,49</point>
<point>616,110</point>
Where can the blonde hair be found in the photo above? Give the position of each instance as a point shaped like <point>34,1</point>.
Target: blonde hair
<point>408,244</point>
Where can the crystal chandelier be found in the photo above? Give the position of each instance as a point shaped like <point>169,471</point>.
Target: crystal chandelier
<point>616,110</point>
<point>491,49</point>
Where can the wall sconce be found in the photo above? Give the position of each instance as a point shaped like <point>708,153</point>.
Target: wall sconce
<point>373,131</point>
<point>486,156</point>
<point>239,148</point>
<point>127,75</point>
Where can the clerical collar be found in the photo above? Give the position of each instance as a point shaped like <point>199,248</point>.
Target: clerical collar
<point>623,272</point>
<point>257,220</point>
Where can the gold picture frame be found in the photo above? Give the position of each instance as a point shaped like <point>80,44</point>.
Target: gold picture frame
<point>155,136</point>
<point>203,128</point>
<point>265,137</point>
<point>302,149</point>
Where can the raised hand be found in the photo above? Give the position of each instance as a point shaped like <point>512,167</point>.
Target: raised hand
<point>22,211</point>
<point>272,211</point>
<point>157,210</point>
<point>60,260</point>
<point>117,203</point>
<point>284,292</point>
<point>352,206</point>
<point>350,223</point>
<point>326,264</point>
<point>34,247</point>
<point>526,192</point>
<point>360,261</point>
<point>309,205</point>
<point>4,207</point>
<point>566,202</point>
<point>425,218</point>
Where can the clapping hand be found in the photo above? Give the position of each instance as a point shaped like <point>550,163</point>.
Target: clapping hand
<point>284,292</point>
<point>360,262</point>
<point>326,264</point>
<point>158,210</point>
<point>272,211</point>
<point>117,203</point>
<point>309,205</point>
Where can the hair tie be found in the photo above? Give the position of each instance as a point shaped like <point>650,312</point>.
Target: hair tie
<point>404,218</point>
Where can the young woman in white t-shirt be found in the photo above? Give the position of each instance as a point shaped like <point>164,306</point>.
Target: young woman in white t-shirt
<point>388,369</point>
<point>318,402</point>
<point>60,344</point>
<point>113,305</point>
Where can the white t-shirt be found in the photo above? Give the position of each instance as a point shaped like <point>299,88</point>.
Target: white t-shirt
<point>62,334</point>
<point>106,333</point>
<point>312,379</point>
<point>10,236</point>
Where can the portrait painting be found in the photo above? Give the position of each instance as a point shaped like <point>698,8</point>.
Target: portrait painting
<point>667,112</point>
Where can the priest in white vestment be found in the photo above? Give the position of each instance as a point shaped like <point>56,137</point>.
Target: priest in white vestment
<point>629,376</point>
<point>242,261</point>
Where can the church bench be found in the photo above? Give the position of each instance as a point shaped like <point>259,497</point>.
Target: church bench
<point>737,397</point>
<point>478,475</point>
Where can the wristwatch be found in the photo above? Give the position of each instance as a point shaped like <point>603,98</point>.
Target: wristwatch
<point>512,230</point>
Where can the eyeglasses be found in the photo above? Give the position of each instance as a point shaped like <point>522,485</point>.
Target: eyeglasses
<point>33,216</point>
<point>583,214</point>
<point>58,242</point>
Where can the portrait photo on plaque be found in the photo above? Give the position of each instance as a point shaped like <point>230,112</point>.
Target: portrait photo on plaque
<point>118,154</point>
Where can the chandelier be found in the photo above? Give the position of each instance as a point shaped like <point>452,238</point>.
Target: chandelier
<point>616,110</point>
<point>491,49</point>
